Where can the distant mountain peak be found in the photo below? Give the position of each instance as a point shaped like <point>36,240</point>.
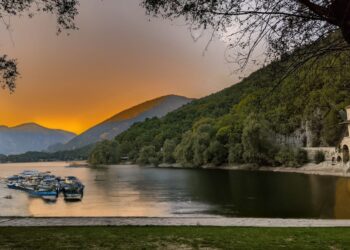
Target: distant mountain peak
<point>120,122</point>
<point>32,126</point>
<point>30,137</point>
<point>142,107</point>
<point>28,125</point>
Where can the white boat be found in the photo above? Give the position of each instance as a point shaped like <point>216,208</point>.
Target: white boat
<point>73,196</point>
<point>51,198</point>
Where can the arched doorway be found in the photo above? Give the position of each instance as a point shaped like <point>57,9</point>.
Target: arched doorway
<point>345,153</point>
<point>338,159</point>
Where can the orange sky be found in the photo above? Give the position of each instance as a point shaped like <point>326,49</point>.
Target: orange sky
<point>117,59</point>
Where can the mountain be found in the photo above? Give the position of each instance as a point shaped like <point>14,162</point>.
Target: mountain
<point>261,120</point>
<point>120,122</point>
<point>30,137</point>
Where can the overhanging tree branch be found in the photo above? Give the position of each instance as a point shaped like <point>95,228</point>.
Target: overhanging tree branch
<point>65,12</point>
<point>282,25</point>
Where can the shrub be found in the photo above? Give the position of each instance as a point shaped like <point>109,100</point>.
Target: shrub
<point>319,157</point>
<point>301,156</point>
<point>287,157</point>
<point>168,151</point>
<point>155,160</point>
<point>216,153</point>
<point>258,142</point>
<point>235,154</point>
<point>290,157</point>
<point>147,155</point>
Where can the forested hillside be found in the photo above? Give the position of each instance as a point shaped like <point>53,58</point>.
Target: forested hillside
<point>120,122</point>
<point>32,156</point>
<point>261,120</point>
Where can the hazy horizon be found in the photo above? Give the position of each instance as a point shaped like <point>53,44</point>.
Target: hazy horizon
<point>118,58</point>
<point>105,119</point>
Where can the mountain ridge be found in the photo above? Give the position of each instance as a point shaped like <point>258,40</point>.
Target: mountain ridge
<point>33,125</point>
<point>137,109</point>
<point>121,121</point>
<point>30,137</point>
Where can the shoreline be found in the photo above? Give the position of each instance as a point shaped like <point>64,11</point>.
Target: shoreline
<point>168,221</point>
<point>324,168</point>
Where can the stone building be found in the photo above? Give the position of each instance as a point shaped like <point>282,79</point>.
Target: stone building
<point>343,148</point>
<point>338,154</point>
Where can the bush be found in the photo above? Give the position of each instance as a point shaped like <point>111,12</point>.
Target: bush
<point>287,157</point>
<point>216,153</point>
<point>291,158</point>
<point>147,155</point>
<point>169,147</point>
<point>319,157</point>
<point>235,154</point>
<point>301,156</point>
<point>104,153</point>
<point>155,160</point>
<point>258,142</point>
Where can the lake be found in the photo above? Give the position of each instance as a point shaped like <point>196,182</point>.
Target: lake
<point>139,191</point>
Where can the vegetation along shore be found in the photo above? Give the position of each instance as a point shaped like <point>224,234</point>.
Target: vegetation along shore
<point>259,121</point>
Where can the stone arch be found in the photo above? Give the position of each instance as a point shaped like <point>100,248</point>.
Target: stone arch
<point>338,159</point>
<point>345,154</point>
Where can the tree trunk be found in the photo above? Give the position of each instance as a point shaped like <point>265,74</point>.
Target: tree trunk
<point>346,32</point>
<point>340,11</point>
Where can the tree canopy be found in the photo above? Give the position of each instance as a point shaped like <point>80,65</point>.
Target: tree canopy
<point>285,25</point>
<point>64,10</point>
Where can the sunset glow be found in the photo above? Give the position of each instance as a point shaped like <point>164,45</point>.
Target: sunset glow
<point>116,60</point>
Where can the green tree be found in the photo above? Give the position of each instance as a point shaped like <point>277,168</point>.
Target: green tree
<point>223,135</point>
<point>257,141</point>
<point>201,140</point>
<point>301,156</point>
<point>235,154</point>
<point>217,153</point>
<point>183,151</point>
<point>147,155</point>
<point>287,157</point>
<point>332,128</point>
<point>102,154</point>
<point>168,151</point>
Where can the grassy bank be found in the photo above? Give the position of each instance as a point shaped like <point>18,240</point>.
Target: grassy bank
<point>174,238</point>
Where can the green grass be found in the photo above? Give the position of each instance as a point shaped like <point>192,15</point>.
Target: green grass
<point>174,238</point>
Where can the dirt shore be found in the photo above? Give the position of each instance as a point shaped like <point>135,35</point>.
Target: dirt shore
<point>171,221</point>
<point>324,168</point>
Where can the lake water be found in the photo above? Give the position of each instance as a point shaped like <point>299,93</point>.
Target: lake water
<point>138,191</point>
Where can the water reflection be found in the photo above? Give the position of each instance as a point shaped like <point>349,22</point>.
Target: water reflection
<point>107,193</point>
<point>136,191</point>
<point>342,199</point>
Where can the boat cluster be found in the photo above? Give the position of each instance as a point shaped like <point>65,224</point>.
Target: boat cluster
<point>46,185</point>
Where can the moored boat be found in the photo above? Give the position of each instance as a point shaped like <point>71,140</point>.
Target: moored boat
<point>72,188</point>
<point>13,185</point>
<point>46,185</point>
<point>73,196</point>
<point>43,192</point>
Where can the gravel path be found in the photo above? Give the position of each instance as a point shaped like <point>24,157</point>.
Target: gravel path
<point>202,221</point>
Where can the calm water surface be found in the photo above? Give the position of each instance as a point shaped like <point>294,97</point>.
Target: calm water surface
<point>136,191</point>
